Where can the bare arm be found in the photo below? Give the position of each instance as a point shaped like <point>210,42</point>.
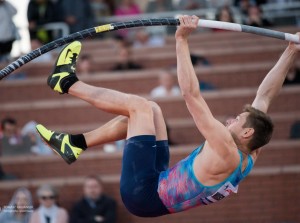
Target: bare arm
<point>216,134</point>
<point>272,84</point>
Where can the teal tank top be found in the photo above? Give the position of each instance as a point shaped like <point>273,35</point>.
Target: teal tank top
<point>179,189</point>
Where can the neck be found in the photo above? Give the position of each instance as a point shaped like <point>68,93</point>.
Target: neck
<point>241,146</point>
<point>244,150</point>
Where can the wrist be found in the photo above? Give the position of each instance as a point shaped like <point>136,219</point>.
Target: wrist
<point>292,49</point>
<point>181,39</point>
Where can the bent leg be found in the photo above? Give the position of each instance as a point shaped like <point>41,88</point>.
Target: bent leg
<point>105,99</point>
<point>136,108</point>
<point>114,130</point>
<point>162,145</point>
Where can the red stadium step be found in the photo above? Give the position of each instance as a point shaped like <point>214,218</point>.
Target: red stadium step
<point>72,111</point>
<point>184,131</point>
<point>267,190</point>
<point>141,82</point>
<point>95,161</point>
<point>167,58</point>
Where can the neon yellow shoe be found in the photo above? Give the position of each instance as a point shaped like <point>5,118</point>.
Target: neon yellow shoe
<point>60,143</point>
<point>64,73</point>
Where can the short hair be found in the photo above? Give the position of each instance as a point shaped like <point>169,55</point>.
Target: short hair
<point>46,187</point>
<point>7,121</point>
<point>262,125</point>
<point>94,177</point>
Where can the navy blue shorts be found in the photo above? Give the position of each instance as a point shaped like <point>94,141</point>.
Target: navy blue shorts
<point>143,159</point>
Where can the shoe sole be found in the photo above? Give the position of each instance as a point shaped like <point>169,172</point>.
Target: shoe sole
<point>57,151</point>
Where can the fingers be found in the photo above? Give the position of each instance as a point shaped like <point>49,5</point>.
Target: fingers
<point>195,20</point>
<point>189,21</point>
<point>181,20</point>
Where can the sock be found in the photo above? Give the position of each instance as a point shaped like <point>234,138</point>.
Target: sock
<point>78,141</point>
<point>68,82</point>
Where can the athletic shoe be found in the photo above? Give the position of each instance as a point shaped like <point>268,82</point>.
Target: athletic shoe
<point>60,143</point>
<point>64,73</point>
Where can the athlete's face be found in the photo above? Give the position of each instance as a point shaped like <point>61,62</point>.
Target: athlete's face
<point>235,125</point>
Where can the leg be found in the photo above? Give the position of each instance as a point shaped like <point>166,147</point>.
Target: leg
<point>140,122</point>
<point>64,80</point>
<point>136,108</point>
<point>105,99</point>
<point>139,177</point>
<point>114,130</point>
<point>162,146</point>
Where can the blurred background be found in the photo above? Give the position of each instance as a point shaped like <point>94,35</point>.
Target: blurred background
<point>37,186</point>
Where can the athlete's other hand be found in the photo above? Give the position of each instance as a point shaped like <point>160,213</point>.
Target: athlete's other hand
<point>187,25</point>
<point>295,46</point>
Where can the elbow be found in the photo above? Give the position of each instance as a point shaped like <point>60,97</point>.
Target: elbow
<point>185,93</point>
<point>188,93</point>
<point>266,94</point>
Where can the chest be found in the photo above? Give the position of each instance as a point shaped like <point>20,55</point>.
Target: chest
<point>210,168</point>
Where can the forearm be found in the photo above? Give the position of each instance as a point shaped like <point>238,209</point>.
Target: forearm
<point>187,78</point>
<point>272,83</point>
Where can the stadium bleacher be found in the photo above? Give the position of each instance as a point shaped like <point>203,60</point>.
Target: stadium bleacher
<point>239,63</point>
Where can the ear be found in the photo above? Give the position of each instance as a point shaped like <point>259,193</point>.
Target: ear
<point>247,132</point>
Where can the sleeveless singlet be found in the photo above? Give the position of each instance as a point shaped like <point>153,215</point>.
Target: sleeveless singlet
<point>179,189</point>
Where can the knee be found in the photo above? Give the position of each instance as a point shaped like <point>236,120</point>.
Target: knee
<point>139,104</point>
<point>155,107</point>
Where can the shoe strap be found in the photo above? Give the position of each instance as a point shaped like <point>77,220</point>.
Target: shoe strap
<point>64,68</point>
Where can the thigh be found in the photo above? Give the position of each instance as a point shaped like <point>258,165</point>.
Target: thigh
<point>138,164</point>
<point>139,178</point>
<point>159,122</point>
<point>139,159</point>
<point>140,122</point>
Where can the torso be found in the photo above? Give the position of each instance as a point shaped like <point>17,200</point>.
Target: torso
<point>202,178</point>
<point>211,169</point>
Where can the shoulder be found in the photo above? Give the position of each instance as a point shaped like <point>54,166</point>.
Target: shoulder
<point>230,161</point>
